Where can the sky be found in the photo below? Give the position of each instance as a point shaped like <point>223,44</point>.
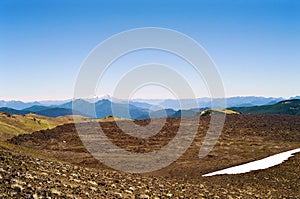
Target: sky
<point>254,44</point>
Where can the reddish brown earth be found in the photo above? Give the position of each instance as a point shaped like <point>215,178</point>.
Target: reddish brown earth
<point>244,138</point>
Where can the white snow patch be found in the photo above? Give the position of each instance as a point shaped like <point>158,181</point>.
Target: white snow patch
<point>257,165</point>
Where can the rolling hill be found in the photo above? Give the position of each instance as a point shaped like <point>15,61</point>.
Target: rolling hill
<point>13,111</point>
<point>42,110</point>
<point>14,124</point>
<point>209,112</point>
<point>289,107</point>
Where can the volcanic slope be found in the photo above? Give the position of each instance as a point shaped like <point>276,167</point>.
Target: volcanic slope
<point>25,173</point>
<point>244,138</point>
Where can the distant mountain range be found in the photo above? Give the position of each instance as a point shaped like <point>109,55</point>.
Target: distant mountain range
<point>19,105</point>
<point>158,103</point>
<point>144,109</point>
<point>207,102</point>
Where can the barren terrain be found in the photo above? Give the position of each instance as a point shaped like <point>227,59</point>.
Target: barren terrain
<point>244,138</point>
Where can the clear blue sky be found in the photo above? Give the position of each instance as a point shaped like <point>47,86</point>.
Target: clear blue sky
<point>255,44</point>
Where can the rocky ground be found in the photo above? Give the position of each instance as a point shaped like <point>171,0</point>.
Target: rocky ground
<point>42,165</point>
<point>244,138</point>
<point>28,177</point>
<point>23,176</point>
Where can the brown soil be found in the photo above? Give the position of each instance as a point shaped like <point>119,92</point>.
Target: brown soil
<point>244,138</point>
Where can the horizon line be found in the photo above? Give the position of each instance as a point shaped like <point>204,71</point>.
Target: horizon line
<point>108,97</point>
